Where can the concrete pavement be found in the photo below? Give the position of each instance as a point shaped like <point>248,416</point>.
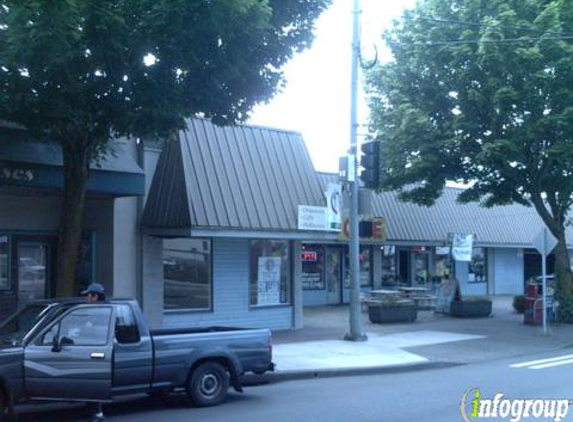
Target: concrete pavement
<point>432,340</point>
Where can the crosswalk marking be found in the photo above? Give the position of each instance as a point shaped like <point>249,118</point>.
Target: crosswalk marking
<point>545,363</point>
<point>549,365</point>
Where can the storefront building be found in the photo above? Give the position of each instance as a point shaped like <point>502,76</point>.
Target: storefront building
<point>222,213</point>
<point>203,231</point>
<point>30,189</point>
<point>415,250</point>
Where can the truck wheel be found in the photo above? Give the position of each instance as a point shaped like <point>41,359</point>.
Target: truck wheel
<point>208,384</point>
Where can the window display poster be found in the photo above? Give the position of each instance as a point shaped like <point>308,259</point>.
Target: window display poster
<point>312,281</point>
<point>269,280</point>
<point>447,292</point>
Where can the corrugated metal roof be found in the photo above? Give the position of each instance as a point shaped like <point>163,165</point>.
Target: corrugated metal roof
<point>512,225</point>
<point>236,178</point>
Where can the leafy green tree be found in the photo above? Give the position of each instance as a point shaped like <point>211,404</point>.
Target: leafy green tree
<point>80,72</point>
<point>481,92</point>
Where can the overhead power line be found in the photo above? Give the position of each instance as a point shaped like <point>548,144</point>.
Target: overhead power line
<point>483,25</point>
<point>484,41</point>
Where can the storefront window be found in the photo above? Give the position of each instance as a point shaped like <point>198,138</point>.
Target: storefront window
<point>4,282</point>
<point>365,267</point>
<point>187,274</point>
<point>389,266</point>
<point>420,266</point>
<point>443,262</point>
<point>270,273</point>
<point>312,258</point>
<point>478,266</point>
<point>32,260</point>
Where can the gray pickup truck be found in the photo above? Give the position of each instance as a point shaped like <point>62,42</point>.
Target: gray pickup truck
<point>76,351</point>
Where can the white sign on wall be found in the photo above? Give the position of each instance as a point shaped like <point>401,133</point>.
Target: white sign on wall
<point>312,218</point>
<point>334,206</point>
<point>269,280</point>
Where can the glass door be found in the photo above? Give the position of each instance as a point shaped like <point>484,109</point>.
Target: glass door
<point>32,273</point>
<point>420,271</point>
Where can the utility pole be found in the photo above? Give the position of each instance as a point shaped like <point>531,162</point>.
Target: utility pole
<point>356,333</point>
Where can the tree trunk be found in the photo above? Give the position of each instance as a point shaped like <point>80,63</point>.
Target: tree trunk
<point>76,164</point>
<point>563,273</point>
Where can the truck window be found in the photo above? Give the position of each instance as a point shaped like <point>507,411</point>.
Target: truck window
<point>17,326</point>
<point>85,327</point>
<point>48,337</point>
<point>126,330</point>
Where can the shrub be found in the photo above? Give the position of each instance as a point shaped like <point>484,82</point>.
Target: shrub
<point>519,303</point>
<point>565,309</point>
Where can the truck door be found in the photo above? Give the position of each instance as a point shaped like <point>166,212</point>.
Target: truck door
<point>72,359</point>
<point>133,353</point>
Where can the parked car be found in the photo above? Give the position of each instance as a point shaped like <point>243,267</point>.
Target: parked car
<point>76,351</point>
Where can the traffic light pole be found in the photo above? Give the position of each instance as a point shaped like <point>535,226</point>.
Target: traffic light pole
<point>356,333</point>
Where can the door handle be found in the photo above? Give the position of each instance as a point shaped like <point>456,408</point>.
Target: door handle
<point>97,355</point>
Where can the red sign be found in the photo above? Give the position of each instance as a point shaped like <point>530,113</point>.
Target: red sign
<point>309,256</point>
<point>376,229</point>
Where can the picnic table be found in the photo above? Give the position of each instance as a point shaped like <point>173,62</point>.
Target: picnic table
<point>376,296</point>
<point>414,290</point>
<point>384,293</point>
<point>420,295</point>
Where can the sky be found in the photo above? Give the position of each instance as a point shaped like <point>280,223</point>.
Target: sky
<point>316,98</point>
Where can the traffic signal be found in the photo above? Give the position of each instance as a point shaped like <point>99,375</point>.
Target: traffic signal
<point>370,162</point>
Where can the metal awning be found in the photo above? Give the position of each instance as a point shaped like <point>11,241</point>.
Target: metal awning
<point>243,179</point>
<point>32,164</point>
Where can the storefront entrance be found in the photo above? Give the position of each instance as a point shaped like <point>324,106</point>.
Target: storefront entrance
<point>27,270</point>
<point>420,267</point>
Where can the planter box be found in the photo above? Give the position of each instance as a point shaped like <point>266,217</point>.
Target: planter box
<point>399,312</point>
<point>471,309</point>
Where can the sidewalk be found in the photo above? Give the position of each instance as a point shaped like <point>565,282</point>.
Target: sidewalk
<point>432,340</point>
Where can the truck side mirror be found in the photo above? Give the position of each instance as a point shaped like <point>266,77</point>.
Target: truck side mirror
<point>56,344</point>
<point>66,341</point>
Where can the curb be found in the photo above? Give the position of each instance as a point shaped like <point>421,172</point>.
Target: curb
<point>294,375</point>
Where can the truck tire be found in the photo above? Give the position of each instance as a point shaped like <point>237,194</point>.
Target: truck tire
<point>208,384</point>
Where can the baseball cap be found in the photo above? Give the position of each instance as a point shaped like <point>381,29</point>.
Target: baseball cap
<point>94,288</point>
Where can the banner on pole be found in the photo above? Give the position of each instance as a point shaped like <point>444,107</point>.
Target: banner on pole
<point>462,247</point>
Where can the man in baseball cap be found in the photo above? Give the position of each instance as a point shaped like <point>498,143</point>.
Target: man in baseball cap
<point>95,292</point>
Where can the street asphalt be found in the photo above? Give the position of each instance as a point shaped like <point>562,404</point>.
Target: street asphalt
<point>432,341</point>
